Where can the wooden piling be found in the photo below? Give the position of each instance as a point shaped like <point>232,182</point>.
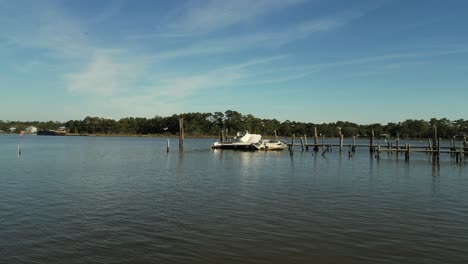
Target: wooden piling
<point>291,149</point>
<point>438,146</point>
<point>181,133</point>
<point>371,143</point>
<point>341,142</point>
<point>167,146</point>
<point>461,153</point>
<point>222,135</point>
<point>434,137</point>
<point>353,149</point>
<point>407,151</point>
<point>323,140</point>
<point>453,147</point>
<point>316,139</point>
<point>302,144</point>
<point>305,143</point>
<point>378,152</point>
<point>226,135</point>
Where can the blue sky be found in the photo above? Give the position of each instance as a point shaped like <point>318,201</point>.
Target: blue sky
<point>314,61</point>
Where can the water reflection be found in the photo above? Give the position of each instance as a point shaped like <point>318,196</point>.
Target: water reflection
<point>435,166</point>
<point>118,196</point>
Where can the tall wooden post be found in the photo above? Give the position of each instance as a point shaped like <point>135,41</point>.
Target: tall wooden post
<point>291,147</point>
<point>181,133</point>
<point>353,148</point>
<point>316,139</point>
<point>371,143</point>
<point>438,146</point>
<point>434,138</point>
<point>305,143</point>
<point>461,153</point>
<point>341,142</point>
<point>453,147</point>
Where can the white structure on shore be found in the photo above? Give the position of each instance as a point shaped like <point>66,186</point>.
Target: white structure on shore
<point>31,129</point>
<point>12,129</point>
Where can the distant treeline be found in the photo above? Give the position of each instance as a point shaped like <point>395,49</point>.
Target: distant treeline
<point>211,124</point>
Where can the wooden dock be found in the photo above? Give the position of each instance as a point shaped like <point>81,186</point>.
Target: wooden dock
<point>456,150</point>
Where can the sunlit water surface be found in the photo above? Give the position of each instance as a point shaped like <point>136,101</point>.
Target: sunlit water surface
<point>125,200</point>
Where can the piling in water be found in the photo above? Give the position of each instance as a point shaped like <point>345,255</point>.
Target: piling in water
<point>316,140</point>
<point>181,133</point>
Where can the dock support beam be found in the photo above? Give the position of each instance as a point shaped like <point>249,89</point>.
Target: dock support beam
<point>316,140</point>
<point>341,141</point>
<point>181,133</point>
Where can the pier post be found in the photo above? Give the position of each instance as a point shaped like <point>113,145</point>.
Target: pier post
<point>353,148</point>
<point>222,135</point>
<point>291,147</point>
<point>323,141</point>
<point>371,143</point>
<point>341,141</point>
<point>302,144</point>
<point>167,146</point>
<point>226,135</point>
<point>461,153</point>
<point>434,137</point>
<point>181,133</point>
<point>407,152</point>
<point>305,142</point>
<point>438,146</point>
<point>316,140</point>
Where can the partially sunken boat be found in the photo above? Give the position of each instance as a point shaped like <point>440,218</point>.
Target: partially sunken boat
<point>242,141</point>
<point>270,144</point>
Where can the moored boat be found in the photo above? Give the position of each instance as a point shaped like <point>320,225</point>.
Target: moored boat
<point>242,141</point>
<point>270,144</point>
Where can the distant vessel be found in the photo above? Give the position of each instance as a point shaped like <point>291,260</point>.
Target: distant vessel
<point>51,133</point>
<point>242,141</point>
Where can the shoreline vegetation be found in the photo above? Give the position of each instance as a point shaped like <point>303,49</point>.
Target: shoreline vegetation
<point>210,125</point>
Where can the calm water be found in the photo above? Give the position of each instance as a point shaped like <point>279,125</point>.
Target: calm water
<point>124,200</point>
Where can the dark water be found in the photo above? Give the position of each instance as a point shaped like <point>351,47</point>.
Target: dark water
<point>124,200</point>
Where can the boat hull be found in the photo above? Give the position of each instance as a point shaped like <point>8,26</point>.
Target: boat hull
<point>231,145</point>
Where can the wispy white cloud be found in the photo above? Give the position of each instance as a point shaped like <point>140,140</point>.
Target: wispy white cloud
<point>103,76</point>
<point>272,39</point>
<point>207,16</point>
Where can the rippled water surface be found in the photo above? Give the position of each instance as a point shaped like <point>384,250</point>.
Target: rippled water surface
<point>124,200</point>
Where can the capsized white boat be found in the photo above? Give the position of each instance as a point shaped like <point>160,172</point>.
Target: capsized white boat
<point>270,144</point>
<point>243,140</point>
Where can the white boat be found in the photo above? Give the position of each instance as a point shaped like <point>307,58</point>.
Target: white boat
<point>270,144</point>
<point>243,141</point>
